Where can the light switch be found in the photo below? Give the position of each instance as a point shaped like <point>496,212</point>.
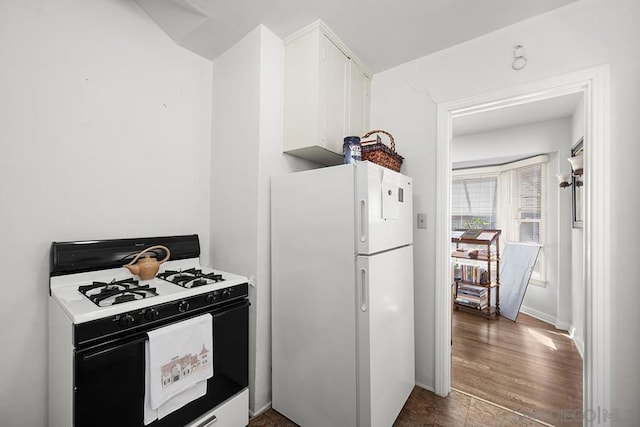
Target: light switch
<point>422,220</point>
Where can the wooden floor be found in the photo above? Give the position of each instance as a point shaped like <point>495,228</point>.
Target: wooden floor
<point>527,366</point>
<point>504,373</point>
<point>424,408</point>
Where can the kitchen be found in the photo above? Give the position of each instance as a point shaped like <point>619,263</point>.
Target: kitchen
<point>106,123</point>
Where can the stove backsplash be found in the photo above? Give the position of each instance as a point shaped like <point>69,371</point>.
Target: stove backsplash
<point>91,255</point>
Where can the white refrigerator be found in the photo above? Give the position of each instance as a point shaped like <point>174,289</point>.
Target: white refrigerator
<point>342,295</point>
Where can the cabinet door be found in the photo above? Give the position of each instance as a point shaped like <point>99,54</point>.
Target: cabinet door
<point>359,101</point>
<point>336,65</point>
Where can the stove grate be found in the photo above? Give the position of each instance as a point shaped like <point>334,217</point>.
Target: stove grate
<point>104,294</point>
<point>190,278</point>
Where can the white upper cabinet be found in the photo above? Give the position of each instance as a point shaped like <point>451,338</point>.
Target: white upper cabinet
<point>360,86</point>
<point>334,109</point>
<point>326,95</point>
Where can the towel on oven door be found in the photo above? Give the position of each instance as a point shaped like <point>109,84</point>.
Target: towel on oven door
<point>175,403</point>
<point>179,357</point>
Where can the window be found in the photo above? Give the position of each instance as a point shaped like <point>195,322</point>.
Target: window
<point>509,197</point>
<point>527,184</point>
<point>528,203</point>
<point>473,201</point>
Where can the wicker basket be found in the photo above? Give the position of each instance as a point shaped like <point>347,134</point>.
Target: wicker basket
<point>379,153</point>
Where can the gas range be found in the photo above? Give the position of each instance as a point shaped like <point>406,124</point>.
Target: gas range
<point>73,291</point>
<point>102,319</point>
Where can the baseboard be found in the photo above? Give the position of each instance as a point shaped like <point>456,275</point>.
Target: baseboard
<point>577,341</point>
<point>265,408</point>
<point>431,389</point>
<point>563,326</point>
<point>539,315</point>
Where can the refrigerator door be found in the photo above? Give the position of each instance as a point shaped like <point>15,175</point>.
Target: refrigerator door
<point>386,366</point>
<point>384,209</point>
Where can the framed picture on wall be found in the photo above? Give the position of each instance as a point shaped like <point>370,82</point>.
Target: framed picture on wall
<point>578,189</point>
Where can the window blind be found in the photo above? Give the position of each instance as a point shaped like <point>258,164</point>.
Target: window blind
<point>528,184</point>
<point>474,201</point>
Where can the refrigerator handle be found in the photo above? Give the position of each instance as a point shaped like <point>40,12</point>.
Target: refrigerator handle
<point>363,220</point>
<point>363,289</point>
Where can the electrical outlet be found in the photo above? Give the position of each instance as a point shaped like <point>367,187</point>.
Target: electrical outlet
<point>422,220</point>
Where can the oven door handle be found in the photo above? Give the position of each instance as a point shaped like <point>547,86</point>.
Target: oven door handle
<point>90,356</point>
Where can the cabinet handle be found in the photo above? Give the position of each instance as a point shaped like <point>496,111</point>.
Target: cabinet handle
<point>363,289</point>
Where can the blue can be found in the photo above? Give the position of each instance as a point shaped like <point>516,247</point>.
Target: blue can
<point>351,149</point>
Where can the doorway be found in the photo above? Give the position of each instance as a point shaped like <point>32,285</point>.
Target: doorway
<point>593,83</point>
<point>505,163</point>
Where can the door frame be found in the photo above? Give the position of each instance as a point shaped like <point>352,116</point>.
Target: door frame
<point>594,84</point>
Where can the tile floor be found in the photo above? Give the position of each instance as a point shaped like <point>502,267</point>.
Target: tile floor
<point>424,408</point>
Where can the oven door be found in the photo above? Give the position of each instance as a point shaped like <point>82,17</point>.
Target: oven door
<point>109,378</point>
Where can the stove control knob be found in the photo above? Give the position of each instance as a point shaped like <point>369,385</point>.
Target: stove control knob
<point>225,294</point>
<point>151,314</point>
<point>183,306</point>
<point>126,320</point>
<point>211,298</point>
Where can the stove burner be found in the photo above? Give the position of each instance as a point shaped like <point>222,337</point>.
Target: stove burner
<point>124,298</point>
<point>120,284</point>
<point>105,294</point>
<point>190,278</point>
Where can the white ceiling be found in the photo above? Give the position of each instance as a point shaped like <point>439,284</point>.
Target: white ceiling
<point>533,112</point>
<point>524,114</point>
<point>382,33</point>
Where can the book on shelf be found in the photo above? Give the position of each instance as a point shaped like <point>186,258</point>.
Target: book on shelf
<point>471,274</point>
<point>471,293</point>
<point>472,288</point>
<point>471,298</point>
<point>472,304</point>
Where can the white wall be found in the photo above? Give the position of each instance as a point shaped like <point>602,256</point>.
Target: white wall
<point>551,302</point>
<point>246,152</point>
<point>102,120</point>
<point>234,168</point>
<point>234,156</point>
<point>272,162</point>
<point>410,115</point>
<point>580,35</point>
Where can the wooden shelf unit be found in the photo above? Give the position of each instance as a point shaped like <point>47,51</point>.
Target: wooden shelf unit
<point>479,275</point>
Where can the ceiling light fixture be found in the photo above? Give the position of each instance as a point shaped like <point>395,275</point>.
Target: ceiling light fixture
<point>519,61</point>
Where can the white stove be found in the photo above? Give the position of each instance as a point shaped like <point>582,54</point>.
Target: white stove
<point>101,317</point>
<point>80,309</point>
